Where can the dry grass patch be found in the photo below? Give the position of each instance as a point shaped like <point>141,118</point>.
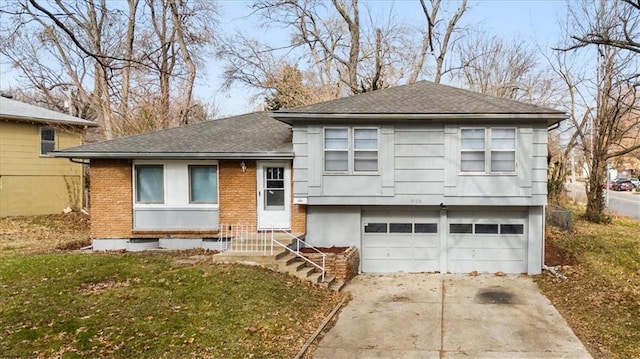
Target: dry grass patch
<point>38,234</point>
<point>56,304</point>
<point>601,297</point>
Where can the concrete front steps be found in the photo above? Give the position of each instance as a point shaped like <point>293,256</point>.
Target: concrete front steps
<point>281,260</point>
<point>290,263</point>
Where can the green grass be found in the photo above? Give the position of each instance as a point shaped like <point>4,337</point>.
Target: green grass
<point>149,305</point>
<point>601,298</point>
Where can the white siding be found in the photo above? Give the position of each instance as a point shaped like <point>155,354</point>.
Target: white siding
<point>419,165</point>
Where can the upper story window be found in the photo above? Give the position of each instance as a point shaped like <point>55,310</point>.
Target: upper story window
<point>47,140</point>
<point>149,183</point>
<point>351,149</point>
<point>203,184</point>
<point>336,149</point>
<point>490,150</point>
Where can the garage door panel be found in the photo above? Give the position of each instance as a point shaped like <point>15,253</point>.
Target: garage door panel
<point>426,253</point>
<point>375,265</point>
<point>375,253</point>
<point>426,266</point>
<point>512,243</point>
<point>376,241</point>
<point>426,243</point>
<point>400,253</point>
<point>498,241</point>
<point>399,265</point>
<point>456,254</point>
<point>404,247</point>
<point>513,266</point>
<point>461,242</point>
<point>508,253</point>
<point>397,241</point>
<point>483,241</point>
<point>460,266</point>
<point>486,266</point>
<point>485,254</point>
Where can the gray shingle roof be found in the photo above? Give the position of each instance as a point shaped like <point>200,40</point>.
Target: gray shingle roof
<point>254,135</point>
<point>419,98</point>
<point>20,111</point>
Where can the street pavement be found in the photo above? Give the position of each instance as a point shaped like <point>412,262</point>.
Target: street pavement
<point>624,203</point>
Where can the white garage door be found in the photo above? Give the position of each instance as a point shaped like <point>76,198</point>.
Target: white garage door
<point>400,241</point>
<point>486,242</point>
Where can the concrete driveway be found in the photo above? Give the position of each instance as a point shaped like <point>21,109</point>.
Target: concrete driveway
<point>451,316</point>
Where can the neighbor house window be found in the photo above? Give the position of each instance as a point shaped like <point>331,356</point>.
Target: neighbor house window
<point>47,140</point>
<point>149,184</point>
<point>494,146</point>
<point>203,184</point>
<point>351,150</point>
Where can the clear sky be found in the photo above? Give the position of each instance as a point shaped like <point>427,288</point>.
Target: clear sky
<point>534,21</point>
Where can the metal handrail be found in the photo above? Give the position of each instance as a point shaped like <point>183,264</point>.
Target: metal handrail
<point>297,251</point>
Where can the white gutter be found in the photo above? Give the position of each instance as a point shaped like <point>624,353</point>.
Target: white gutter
<point>174,155</point>
<point>79,122</point>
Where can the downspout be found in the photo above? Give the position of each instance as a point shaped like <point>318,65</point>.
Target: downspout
<point>553,127</point>
<point>551,270</point>
<point>78,161</point>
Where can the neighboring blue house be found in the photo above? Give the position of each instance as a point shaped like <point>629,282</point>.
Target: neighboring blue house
<point>421,178</point>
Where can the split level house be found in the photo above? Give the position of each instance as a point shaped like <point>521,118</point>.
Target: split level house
<point>32,182</point>
<point>420,178</point>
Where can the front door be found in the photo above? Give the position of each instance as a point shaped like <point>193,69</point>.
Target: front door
<point>274,195</point>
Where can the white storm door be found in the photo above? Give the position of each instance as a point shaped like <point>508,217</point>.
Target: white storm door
<point>274,195</point>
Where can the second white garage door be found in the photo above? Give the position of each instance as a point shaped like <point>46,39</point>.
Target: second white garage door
<point>400,241</point>
<point>486,241</point>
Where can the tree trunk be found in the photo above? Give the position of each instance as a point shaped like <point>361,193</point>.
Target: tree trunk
<point>595,199</point>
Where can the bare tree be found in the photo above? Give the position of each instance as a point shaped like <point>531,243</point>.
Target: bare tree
<point>625,33</point>
<point>610,121</point>
<point>508,70</point>
<point>347,49</point>
<point>436,39</point>
<point>114,58</point>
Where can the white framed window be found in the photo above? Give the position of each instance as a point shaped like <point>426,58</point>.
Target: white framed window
<point>351,150</point>
<point>491,150</point>
<point>365,150</point>
<point>203,183</point>
<point>503,150</point>
<point>472,150</point>
<point>149,183</point>
<point>336,149</point>
<point>47,140</point>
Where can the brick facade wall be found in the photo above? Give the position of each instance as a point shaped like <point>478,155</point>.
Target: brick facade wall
<point>342,265</point>
<point>112,200</point>
<point>298,214</point>
<point>237,197</point>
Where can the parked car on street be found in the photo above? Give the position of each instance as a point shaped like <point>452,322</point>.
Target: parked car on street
<point>608,184</point>
<point>636,182</point>
<point>623,184</point>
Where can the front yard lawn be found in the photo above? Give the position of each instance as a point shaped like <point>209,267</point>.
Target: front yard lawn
<point>152,305</point>
<point>601,297</point>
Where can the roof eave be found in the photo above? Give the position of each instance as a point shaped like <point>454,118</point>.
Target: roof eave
<point>44,120</point>
<point>289,117</point>
<point>174,155</point>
